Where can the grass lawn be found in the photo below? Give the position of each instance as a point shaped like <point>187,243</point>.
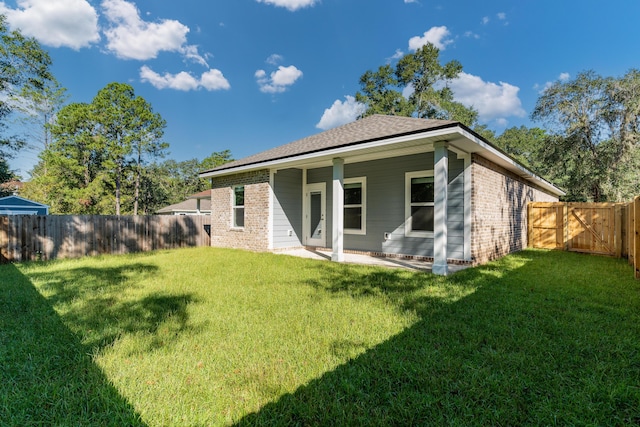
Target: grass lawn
<point>200,337</point>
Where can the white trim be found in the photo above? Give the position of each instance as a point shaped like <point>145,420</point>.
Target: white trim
<point>337,208</point>
<point>322,241</point>
<point>233,225</point>
<point>363,181</point>
<point>272,180</point>
<point>467,207</point>
<point>408,232</point>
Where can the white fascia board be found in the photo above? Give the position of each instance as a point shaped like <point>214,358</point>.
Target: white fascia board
<point>329,153</point>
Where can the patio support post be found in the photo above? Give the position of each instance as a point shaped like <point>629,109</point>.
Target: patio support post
<point>338,210</point>
<point>440,181</point>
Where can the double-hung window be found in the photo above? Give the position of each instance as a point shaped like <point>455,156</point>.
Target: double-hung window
<point>355,205</point>
<point>419,207</point>
<point>238,206</point>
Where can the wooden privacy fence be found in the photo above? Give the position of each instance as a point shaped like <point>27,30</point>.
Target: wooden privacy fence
<point>600,228</point>
<point>40,237</point>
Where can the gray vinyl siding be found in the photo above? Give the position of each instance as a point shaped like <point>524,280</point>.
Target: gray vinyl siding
<point>287,208</point>
<point>386,209</point>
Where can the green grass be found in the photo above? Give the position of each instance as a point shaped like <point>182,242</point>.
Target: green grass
<point>216,337</point>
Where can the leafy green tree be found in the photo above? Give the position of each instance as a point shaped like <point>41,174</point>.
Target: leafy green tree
<point>418,86</point>
<point>381,93</point>
<point>96,161</point>
<point>128,126</point>
<point>217,158</point>
<point>37,107</point>
<point>524,144</point>
<point>593,141</point>
<point>23,64</point>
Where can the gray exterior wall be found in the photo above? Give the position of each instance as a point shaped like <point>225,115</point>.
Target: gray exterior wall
<point>386,205</point>
<point>287,208</point>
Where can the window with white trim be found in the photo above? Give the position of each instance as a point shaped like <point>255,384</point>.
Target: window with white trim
<point>355,205</point>
<point>419,206</point>
<point>238,207</point>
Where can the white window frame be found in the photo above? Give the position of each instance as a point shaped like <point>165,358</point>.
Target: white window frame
<point>363,181</point>
<point>408,232</point>
<point>234,207</point>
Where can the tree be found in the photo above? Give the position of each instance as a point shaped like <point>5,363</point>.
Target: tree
<point>23,65</point>
<point>128,126</point>
<point>524,144</point>
<point>593,141</point>
<point>97,150</point>
<point>38,107</point>
<point>418,86</point>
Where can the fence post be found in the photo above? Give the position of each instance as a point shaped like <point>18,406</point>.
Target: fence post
<point>636,237</point>
<point>617,218</point>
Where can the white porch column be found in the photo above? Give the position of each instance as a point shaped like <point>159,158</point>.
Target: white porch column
<point>338,211</point>
<point>440,181</point>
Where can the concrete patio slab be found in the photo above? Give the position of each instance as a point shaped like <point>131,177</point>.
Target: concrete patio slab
<point>349,258</point>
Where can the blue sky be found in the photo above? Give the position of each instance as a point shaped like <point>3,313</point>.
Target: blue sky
<point>248,75</point>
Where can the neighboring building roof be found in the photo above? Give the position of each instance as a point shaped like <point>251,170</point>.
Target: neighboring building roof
<point>18,205</point>
<point>203,195</point>
<point>188,206</point>
<point>373,135</point>
<point>14,186</point>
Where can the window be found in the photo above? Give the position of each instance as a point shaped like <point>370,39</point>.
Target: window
<point>355,212</point>
<point>419,204</point>
<point>238,206</point>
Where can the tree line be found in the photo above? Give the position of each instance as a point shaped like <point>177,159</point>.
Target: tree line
<point>107,156</point>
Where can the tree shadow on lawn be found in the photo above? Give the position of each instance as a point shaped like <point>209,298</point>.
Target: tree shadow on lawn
<point>92,304</point>
<point>528,339</point>
<point>47,375</point>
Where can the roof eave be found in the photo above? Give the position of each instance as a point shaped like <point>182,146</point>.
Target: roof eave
<point>478,145</point>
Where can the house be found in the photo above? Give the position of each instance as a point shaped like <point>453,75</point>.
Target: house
<point>383,185</point>
<point>196,204</point>
<point>16,205</point>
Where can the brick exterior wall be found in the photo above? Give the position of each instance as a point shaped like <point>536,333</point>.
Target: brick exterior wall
<point>499,210</point>
<point>255,234</point>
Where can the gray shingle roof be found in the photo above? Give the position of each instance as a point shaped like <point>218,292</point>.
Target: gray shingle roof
<point>368,129</point>
<point>188,205</point>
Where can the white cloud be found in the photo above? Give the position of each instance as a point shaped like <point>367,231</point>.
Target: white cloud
<point>279,80</point>
<point>437,36</point>
<point>563,77</point>
<point>214,80</point>
<point>341,113</point>
<point>471,34</point>
<point>411,1</point>
<point>399,54</point>
<point>291,5</point>
<point>501,16</point>
<point>210,80</point>
<point>492,101</point>
<point>274,59</point>
<point>485,20</point>
<point>56,23</point>
<point>129,37</point>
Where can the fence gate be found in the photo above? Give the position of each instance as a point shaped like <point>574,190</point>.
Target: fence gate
<point>591,228</point>
<point>580,227</point>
